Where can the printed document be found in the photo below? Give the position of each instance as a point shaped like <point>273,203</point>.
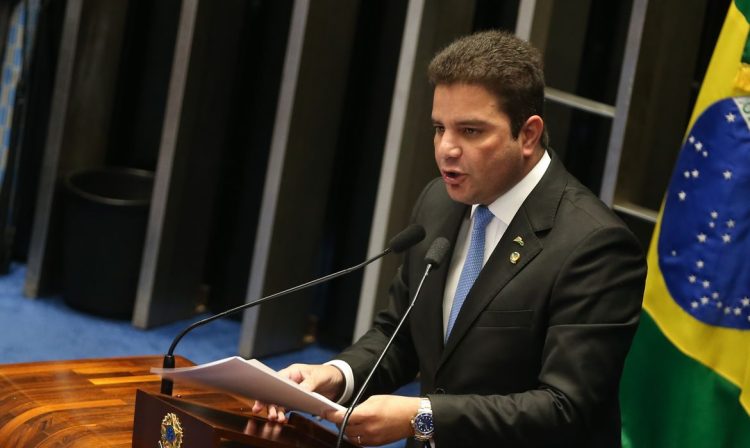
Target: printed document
<point>251,379</point>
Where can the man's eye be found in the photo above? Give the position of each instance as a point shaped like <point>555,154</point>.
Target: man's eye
<point>471,131</point>
<point>439,129</point>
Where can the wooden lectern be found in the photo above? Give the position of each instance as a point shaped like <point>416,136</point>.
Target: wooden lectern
<point>115,403</point>
<point>209,427</point>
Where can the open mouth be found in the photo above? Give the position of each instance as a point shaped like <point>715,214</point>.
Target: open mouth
<point>452,176</point>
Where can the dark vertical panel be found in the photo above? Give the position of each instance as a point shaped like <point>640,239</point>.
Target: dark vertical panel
<point>143,79</point>
<point>663,95</point>
<point>94,85</point>
<point>495,14</point>
<point>603,51</point>
<point>642,229</point>
<point>79,123</point>
<point>6,226</point>
<point>583,55</point>
<point>259,62</point>
<point>598,79</point>
<point>586,139</point>
<point>31,149</point>
<point>562,66</point>
<point>309,158</point>
<point>713,20</point>
<point>202,134</point>
<point>356,170</point>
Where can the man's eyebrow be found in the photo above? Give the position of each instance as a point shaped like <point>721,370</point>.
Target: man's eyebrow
<point>465,122</point>
<point>471,122</point>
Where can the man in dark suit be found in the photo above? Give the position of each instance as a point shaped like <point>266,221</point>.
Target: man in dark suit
<point>520,340</point>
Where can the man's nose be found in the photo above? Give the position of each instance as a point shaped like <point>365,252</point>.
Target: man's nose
<point>448,146</point>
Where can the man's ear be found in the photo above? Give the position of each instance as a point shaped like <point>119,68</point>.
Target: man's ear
<point>531,134</point>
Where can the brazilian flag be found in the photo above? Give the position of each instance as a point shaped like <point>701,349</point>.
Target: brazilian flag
<point>687,379</point>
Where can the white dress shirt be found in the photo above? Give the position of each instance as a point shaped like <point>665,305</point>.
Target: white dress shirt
<point>503,209</point>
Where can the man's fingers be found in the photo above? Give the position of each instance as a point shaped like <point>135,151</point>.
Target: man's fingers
<point>276,414</point>
<point>295,375</point>
<point>280,415</point>
<point>258,406</point>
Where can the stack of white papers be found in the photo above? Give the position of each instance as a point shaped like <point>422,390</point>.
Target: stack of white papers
<point>251,379</point>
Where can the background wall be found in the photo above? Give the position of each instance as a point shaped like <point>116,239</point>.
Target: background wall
<point>289,139</point>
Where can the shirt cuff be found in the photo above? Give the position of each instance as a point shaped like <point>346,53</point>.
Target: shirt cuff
<point>346,369</point>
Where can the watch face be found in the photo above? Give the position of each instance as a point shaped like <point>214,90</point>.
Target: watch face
<point>423,423</point>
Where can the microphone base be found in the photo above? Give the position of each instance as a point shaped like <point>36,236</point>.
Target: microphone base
<point>167,384</point>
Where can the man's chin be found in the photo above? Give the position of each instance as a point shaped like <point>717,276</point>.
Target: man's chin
<point>459,194</point>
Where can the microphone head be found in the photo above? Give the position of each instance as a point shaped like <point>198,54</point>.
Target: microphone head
<point>437,251</point>
<point>407,238</point>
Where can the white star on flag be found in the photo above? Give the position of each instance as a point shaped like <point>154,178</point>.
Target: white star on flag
<point>715,295</point>
<point>712,224</point>
<point>686,174</point>
<point>704,300</point>
<point>726,237</point>
<point>706,284</point>
<point>714,214</point>
<point>737,311</point>
<point>705,153</point>
<point>694,304</point>
<point>698,146</point>
<point>682,195</point>
<point>692,279</point>
<point>730,223</point>
<point>695,173</point>
<point>691,139</point>
<point>730,117</point>
<point>699,264</point>
<point>727,310</point>
<point>702,237</point>
<point>745,301</point>
<point>727,174</point>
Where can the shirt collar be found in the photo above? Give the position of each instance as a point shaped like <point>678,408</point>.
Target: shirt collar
<point>506,206</point>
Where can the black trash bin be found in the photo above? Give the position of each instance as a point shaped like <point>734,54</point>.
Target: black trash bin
<point>104,229</point>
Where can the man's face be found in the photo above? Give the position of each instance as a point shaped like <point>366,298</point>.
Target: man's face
<point>478,157</point>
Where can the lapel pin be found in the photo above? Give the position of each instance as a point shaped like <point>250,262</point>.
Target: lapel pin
<point>514,257</point>
<point>518,240</point>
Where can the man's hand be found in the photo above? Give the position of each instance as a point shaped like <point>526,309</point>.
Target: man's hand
<point>379,420</point>
<point>323,379</point>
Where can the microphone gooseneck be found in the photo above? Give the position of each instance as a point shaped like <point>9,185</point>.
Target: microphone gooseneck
<point>434,256</point>
<point>405,239</point>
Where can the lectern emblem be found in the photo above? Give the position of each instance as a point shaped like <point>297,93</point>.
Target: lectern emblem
<point>171,432</point>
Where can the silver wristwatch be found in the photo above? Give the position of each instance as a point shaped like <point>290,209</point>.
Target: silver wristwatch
<point>422,422</point>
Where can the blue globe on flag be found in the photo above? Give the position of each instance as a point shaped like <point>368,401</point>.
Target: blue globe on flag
<point>704,245</point>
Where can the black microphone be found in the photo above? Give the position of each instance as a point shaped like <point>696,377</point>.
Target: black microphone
<point>433,258</point>
<point>404,240</point>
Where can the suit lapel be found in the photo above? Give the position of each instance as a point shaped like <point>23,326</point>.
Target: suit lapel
<point>496,273</point>
<point>537,214</point>
<point>428,310</point>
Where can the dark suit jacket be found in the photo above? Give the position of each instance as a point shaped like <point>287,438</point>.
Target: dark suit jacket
<point>536,353</point>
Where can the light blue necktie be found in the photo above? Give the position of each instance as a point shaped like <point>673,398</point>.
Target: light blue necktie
<point>473,263</point>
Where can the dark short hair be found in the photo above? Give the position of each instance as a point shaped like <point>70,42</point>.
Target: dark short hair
<point>502,63</point>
